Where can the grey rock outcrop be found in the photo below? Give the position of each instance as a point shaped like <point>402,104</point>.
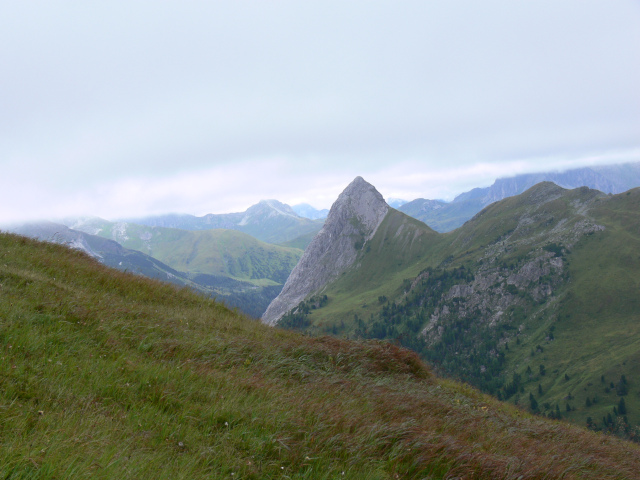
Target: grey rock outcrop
<point>352,221</point>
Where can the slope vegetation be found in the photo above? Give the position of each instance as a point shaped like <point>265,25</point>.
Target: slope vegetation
<point>109,375</point>
<point>212,252</point>
<point>229,265</point>
<point>534,300</point>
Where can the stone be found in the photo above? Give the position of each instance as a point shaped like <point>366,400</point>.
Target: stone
<point>352,221</point>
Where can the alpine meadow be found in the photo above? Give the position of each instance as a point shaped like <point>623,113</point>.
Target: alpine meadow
<point>111,375</point>
<point>534,300</point>
<point>320,240</point>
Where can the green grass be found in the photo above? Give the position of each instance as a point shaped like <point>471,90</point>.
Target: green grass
<point>593,311</point>
<point>227,252</point>
<point>595,320</point>
<point>301,242</point>
<point>215,252</point>
<point>109,375</point>
<point>384,262</point>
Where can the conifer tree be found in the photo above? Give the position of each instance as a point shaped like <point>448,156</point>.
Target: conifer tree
<point>622,408</point>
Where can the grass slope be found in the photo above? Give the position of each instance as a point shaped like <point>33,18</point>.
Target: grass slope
<point>597,330</point>
<point>230,253</point>
<point>579,321</point>
<point>214,252</point>
<point>301,242</point>
<point>395,252</point>
<point>109,375</point>
<point>251,297</point>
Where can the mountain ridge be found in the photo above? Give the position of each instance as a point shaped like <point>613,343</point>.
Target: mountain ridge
<point>352,221</point>
<point>501,302</point>
<point>270,221</point>
<point>447,216</point>
<point>230,265</point>
<point>307,211</point>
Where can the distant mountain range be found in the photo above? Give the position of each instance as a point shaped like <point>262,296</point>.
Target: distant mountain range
<point>534,300</point>
<point>219,251</point>
<point>269,220</point>
<point>204,252</point>
<point>234,256</point>
<point>395,202</point>
<point>447,216</point>
<point>307,211</point>
<point>232,266</point>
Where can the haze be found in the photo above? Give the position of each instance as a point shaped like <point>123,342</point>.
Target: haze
<point>123,109</point>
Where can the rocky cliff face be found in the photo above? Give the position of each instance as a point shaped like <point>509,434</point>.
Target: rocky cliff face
<point>352,221</point>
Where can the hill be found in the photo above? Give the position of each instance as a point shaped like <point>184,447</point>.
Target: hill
<point>215,252</point>
<point>534,300</point>
<point>269,221</point>
<point>232,266</point>
<point>106,251</point>
<point>110,375</point>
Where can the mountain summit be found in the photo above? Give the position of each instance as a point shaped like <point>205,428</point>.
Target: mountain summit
<point>352,221</point>
<point>269,221</point>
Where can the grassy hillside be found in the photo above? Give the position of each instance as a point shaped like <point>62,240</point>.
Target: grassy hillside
<point>110,375</point>
<point>535,300</point>
<point>227,252</point>
<point>259,269</point>
<point>301,242</point>
<point>213,252</point>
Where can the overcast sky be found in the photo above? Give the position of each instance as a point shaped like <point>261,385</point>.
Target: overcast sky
<point>121,109</point>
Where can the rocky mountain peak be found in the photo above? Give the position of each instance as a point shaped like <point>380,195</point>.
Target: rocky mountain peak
<point>352,221</point>
<point>360,200</point>
<point>266,209</point>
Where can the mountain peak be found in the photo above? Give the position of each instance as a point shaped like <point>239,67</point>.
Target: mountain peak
<point>357,187</point>
<point>352,221</point>
<point>269,208</point>
<point>361,199</point>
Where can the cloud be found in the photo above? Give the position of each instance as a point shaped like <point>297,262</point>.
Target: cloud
<point>234,187</point>
<point>144,106</point>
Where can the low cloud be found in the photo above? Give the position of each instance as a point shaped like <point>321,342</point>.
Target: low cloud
<point>236,186</point>
<point>211,106</point>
